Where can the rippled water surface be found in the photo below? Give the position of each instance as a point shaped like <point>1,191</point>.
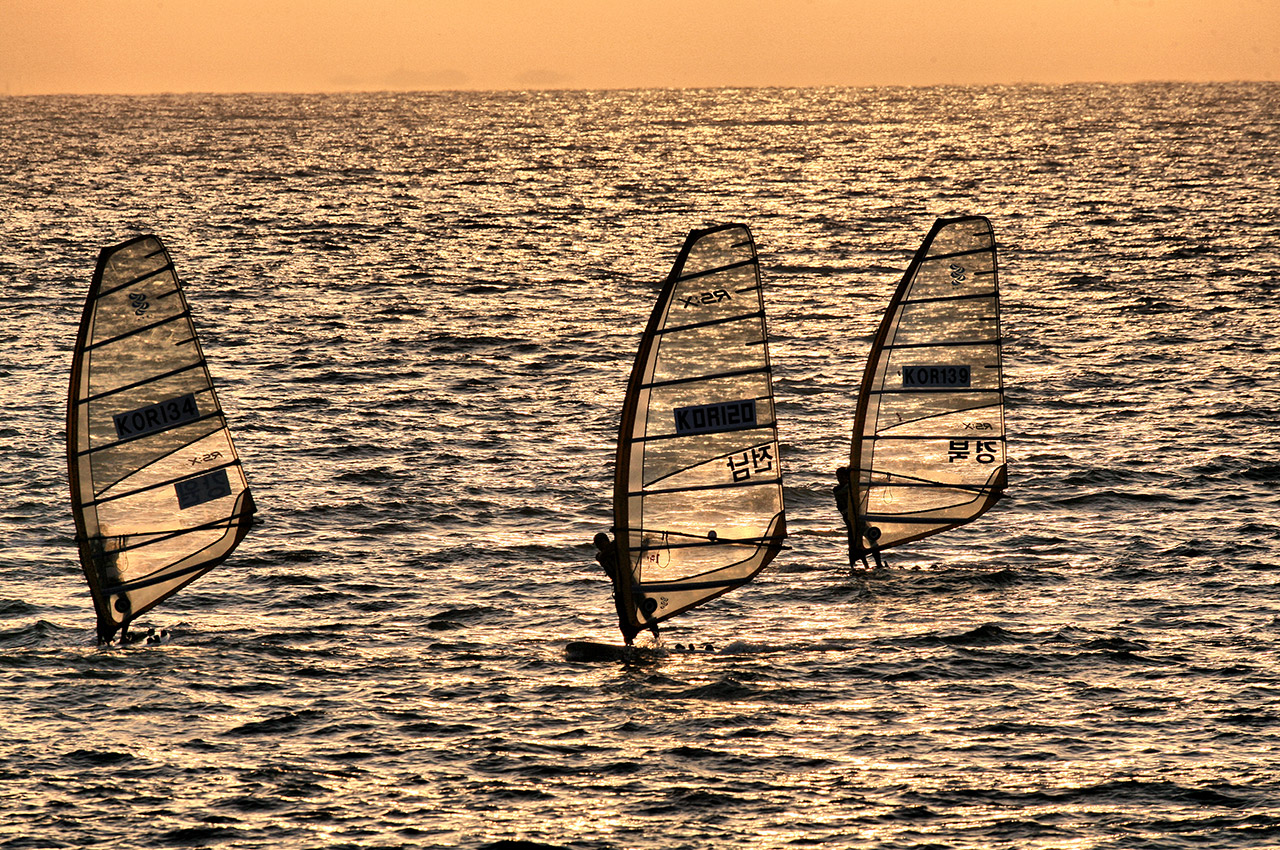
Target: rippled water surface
<point>421,311</point>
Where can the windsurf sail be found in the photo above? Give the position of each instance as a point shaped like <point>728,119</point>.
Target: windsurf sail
<point>929,438</point>
<point>157,490</point>
<point>698,484</point>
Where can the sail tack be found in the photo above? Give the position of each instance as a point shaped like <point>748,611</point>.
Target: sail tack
<point>157,490</point>
<point>928,448</point>
<point>698,487</point>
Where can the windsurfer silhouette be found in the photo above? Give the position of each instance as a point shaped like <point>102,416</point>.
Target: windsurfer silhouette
<point>854,526</point>
<point>841,491</point>
<point>607,556</point>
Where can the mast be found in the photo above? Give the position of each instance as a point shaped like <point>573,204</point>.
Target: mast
<point>698,504</point>
<point>928,450</point>
<point>157,491</point>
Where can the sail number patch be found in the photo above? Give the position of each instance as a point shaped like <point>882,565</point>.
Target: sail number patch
<point>935,376</point>
<point>156,417</point>
<point>202,488</point>
<point>710,418</point>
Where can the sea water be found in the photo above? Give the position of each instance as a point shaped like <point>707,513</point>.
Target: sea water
<point>421,310</point>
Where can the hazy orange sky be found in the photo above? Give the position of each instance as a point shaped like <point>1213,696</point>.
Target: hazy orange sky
<point>142,46</point>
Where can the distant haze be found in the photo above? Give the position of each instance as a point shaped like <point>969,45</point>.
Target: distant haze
<point>150,46</point>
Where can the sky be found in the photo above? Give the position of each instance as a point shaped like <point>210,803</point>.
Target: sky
<point>156,46</point>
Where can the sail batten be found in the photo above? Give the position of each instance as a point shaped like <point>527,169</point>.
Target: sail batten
<point>957,344</point>
<point>697,491</point>
<point>737,373</point>
<point>929,449</point>
<point>713,322</point>
<point>161,270</point>
<point>684,278</point>
<point>705,487</point>
<point>135,331</point>
<point>170,482</point>
<point>116,390</point>
<point>158,492</point>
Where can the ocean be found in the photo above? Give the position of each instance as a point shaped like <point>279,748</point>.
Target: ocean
<point>421,310</point>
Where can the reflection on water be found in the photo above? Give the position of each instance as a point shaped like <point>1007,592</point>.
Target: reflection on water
<point>420,311</point>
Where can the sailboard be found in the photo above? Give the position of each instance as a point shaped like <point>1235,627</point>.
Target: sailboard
<point>928,451</point>
<point>697,506</point>
<point>157,490</point>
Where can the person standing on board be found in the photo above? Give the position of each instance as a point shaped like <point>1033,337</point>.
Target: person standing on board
<point>841,491</point>
<point>607,556</point>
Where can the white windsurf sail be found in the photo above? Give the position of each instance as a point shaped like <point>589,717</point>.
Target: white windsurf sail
<point>929,440</point>
<point>698,485</point>
<point>157,490</point>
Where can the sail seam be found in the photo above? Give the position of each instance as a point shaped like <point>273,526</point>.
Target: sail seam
<point>675,586</point>
<point>914,520</point>
<point>967,488</point>
<point>155,579</point>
